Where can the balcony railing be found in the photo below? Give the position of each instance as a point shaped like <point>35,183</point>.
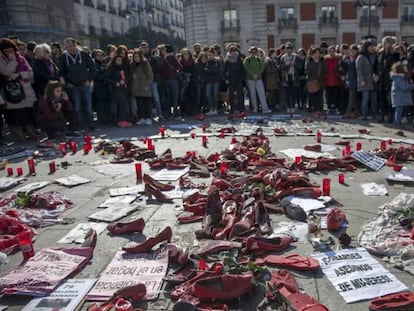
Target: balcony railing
<point>101,6</point>
<point>112,10</point>
<point>290,22</point>
<point>328,20</point>
<point>88,3</point>
<point>230,25</point>
<point>372,20</point>
<point>407,19</point>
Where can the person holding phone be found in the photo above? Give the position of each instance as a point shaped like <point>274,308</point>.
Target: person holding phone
<point>55,110</point>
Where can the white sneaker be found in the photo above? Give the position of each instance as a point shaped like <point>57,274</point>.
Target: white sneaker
<point>267,111</point>
<point>404,120</point>
<point>140,122</point>
<point>148,122</point>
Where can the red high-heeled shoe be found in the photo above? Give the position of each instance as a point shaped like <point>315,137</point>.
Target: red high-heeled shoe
<point>157,184</point>
<point>136,225</point>
<point>145,247</point>
<point>150,192</point>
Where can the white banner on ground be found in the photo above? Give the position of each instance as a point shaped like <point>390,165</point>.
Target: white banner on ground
<point>368,159</point>
<point>129,269</point>
<point>357,276</point>
<point>170,175</point>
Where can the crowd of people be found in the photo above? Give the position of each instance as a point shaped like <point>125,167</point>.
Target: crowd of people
<point>59,89</point>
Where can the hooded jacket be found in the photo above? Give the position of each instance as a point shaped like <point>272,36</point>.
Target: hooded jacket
<point>401,91</point>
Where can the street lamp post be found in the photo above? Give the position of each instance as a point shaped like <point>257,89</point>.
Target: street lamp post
<point>369,3</point>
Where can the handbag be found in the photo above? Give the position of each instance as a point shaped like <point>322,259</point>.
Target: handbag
<point>13,91</point>
<point>313,86</point>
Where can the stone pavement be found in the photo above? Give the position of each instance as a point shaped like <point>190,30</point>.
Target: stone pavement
<point>358,208</point>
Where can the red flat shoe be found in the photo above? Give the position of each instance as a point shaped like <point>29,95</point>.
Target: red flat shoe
<point>293,261</point>
<point>184,219</point>
<point>147,245</point>
<point>276,244</point>
<point>156,184</point>
<point>393,302</point>
<point>282,281</point>
<point>136,225</point>
<point>335,218</point>
<point>227,286</point>
<point>150,192</point>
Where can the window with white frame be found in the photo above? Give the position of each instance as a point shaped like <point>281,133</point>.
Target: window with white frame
<point>230,18</point>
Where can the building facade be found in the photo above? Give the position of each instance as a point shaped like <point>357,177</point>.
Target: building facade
<point>88,20</point>
<point>269,23</point>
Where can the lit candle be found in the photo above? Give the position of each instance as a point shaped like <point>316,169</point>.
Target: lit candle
<point>358,146</point>
<point>222,134</point>
<point>9,171</point>
<point>73,146</point>
<point>88,140</point>
<point>298,159</point>
<point>162,130</point>
<point>341,179</point>
<point>19,171</point>
<point>138,170</point>
<point>204,140</point>
<point>390,141</point>
<point>318,137</point>
<point>31,164</point>
<point>326,187</point>
<point>383,145</point>
<point>63,148</point>
<point>144,139</point>
<point>86,149</point>
<point>348,149</point>
<point>149,144</point>
<point>52,167</point>
<point>192,135</point>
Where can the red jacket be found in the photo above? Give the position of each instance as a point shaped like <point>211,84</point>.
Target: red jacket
<point>46,111</point>
<point>332,77</point>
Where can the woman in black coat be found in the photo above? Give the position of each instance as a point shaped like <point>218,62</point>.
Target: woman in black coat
<point>101,98</point>
<point>44,69</point>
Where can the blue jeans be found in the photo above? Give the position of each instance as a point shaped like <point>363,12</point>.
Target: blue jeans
<point>81,98</point>
<point>173,91</point>
<point>398,112</point>
<point>212,93</point>
<point>156,97</point>
<point>366,97</point>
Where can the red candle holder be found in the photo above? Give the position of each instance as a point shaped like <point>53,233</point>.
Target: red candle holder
<point>390,141</point>
<point>86,149</point>
<point>9,171</point>
<point>222,134</point>
<point>149,144</point>
<point>26,244</point>
<point>326,187</point>
<point>298,159</point>
<point>341,178</point>
<point>358,146</point>
<point>397,167</point>
<point>348,149</point>
<point>73,146</point>
<point>63,149</point>
<point>162,131</point>
<point>383,145</point>
<point>52,167</point>
<point>19,171</point>
<point>223,168</point>
<point>88,140</point>
<point>192,135</point>
<point>204,126</point>
<point>144,140</point>
<point>233,140</point>
<point>138,171</point>
<point>318,137</point>
<point>31,165</point>
<point>204,140</point>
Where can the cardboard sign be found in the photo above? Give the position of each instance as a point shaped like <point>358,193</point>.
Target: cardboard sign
<point>127,269</point>
<point>357,276</point>
<point>42,273</point>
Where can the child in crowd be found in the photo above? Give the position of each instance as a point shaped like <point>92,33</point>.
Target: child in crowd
<point>55,109</point>
<point>400,91</point>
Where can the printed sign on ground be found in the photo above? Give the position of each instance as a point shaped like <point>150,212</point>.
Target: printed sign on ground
<point>41,274</point>
<point>127,269</point>
<point>369,159</point>
<point>357,276</point>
